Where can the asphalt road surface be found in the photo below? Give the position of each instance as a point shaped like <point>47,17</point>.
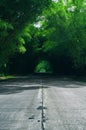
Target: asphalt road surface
<point>42,103</point>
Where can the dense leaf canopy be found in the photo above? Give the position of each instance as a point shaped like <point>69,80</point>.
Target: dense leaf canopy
<point>15,16</point>
<point>52,31</point>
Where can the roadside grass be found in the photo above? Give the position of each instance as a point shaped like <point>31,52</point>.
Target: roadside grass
<point>6,77</point>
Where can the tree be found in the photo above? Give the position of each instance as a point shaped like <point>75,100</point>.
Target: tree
<point>57,36</point>
<point>66,35</point>
<point>15,16</point>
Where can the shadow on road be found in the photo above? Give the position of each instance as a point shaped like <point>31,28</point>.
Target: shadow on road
<point>64,83</point>
<point>21,84</point>
<point>16,89</point>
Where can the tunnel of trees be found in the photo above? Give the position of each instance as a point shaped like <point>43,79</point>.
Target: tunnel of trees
<point>43,36</point>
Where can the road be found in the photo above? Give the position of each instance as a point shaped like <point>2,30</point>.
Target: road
<point>42,103</point>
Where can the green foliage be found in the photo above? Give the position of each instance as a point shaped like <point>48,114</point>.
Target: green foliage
<point>67,39</point>
<point>15,19</point>
<point>43,67</point>
<point>58,34</point>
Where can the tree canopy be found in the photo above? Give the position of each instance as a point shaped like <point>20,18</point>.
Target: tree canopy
<point>52,31</point>
<point>15,17</point>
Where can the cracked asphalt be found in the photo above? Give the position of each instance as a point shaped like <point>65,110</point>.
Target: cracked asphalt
<point>64,103</point>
